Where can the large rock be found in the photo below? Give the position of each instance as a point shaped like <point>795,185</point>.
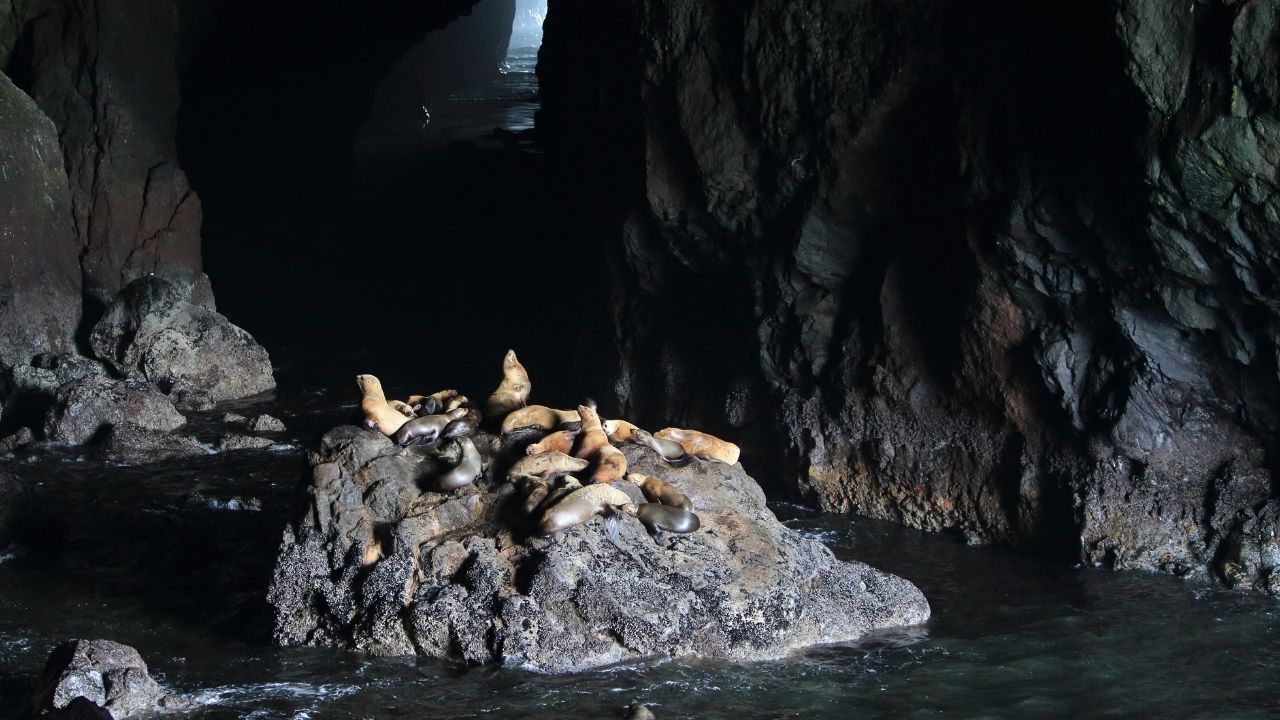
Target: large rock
<point>108,674</point>
<point>459,576</point>
<point>40,275</point>
<point>132,444</point>
<point>84,408</point>
<point>152,330</point>
<point>29,389</point>
<point>998,284</point>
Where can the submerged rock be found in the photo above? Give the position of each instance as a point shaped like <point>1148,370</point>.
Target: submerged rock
<point>380,563</point>
<point>108,674</point>
<point>154,331</point>
<point>133,444</point>
<point>237,441</point>
<point>266,423</point>
<point>83,408</point>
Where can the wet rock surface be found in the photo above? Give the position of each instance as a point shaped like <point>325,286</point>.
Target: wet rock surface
<point>377,561</point>
<point>107,674</point>
<point>133,444</point>
<point>155,331</point>
<point>998,284</point>
<point>84,408</point>
<point>40,278</point>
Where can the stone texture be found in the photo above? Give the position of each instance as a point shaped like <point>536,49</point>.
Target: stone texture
<point>459,576</point>
<point>237,441</point>
<point>266,423</point>
<point>105,73</point>
<point>133,444</point>
<point>40,275</point>
<point>153,331</point>
<point>1009,266</point>
<point>108,674</point>
<point>84,408</point>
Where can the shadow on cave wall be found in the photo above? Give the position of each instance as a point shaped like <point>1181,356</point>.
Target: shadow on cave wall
<point>421,261</point>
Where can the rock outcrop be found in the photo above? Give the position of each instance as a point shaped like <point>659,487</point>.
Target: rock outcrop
<point>84,408</point>
<point>40,275</point>
<point>109,675</point>
<point>376,561</point>
<point>154,331</point>
<point>1009,267</point>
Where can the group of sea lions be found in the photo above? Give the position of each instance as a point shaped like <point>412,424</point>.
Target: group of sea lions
<point>569,442</point>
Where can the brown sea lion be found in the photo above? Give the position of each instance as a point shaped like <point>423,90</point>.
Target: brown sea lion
<point>403,408</point>
<point>566,484</point>
<point>538,416</point>
<point>701,444</point>
<point>378,414</point>
<point>457,401</point>
<point>639,711</point>
<point>619,431</point>
<point>561,442</point>
<point>512,392</point>
<point>469,467</point>
<point>546,463</point>
<point>426,428</point>
<point>581,505</point>
<point>465,425</point>
<point>611,465</point>
<point>592,436</point>
<point>660,491</point>
<point>668,450</point>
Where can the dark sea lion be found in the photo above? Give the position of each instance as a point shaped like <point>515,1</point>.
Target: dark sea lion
<point>669,450</point>
<point>432,404</point>
<point>512,392</point>
<point>581,505</point>
<point>535,490</point>
<point>460,427</point>
<point>378,414</point>
<point>426,428</point>
<point>659,518</point>
<point>469,467</point>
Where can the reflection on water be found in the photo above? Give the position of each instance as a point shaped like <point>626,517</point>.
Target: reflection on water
<point>174,559</point>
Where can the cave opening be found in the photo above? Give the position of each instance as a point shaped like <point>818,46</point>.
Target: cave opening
<point>391,211</point>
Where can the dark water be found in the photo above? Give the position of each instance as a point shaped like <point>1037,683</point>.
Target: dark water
<point>174,560</point>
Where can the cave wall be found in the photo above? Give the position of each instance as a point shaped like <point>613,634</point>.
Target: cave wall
<point>998,268</point>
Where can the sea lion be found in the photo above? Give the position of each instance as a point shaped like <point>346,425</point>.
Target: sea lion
<point>426,428</point>
<point>535,490</point>
<point>512,392</point>
<point>581,505</point>
<point>611,465</point>
<point>593,436</point>
<point>701,444</point>
<point>546,463</point>
<point>568,484</point>
<point>378,414</point>
<point>561,442</point>
<point>593,444</point>
<point>465,425</point>
<point>619,431</point>
<point>538,416</point>
<point>659,518</point>
<point>660,491</point>
<point>432,404</point>
<point>469,467</point>
<point>403,408</point>
<point>668,450</point>
<point>457,401</point>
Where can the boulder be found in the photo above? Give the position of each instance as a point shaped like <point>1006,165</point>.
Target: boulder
<point>83,408</point>
<point>108,674</point>
<point>380,563</point>
<point>133,444</point>
<point>153,331</point>
<point>238,441</point>
<point>266,423</point>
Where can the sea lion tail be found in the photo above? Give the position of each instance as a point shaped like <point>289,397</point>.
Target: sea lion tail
<point>681,461</point>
